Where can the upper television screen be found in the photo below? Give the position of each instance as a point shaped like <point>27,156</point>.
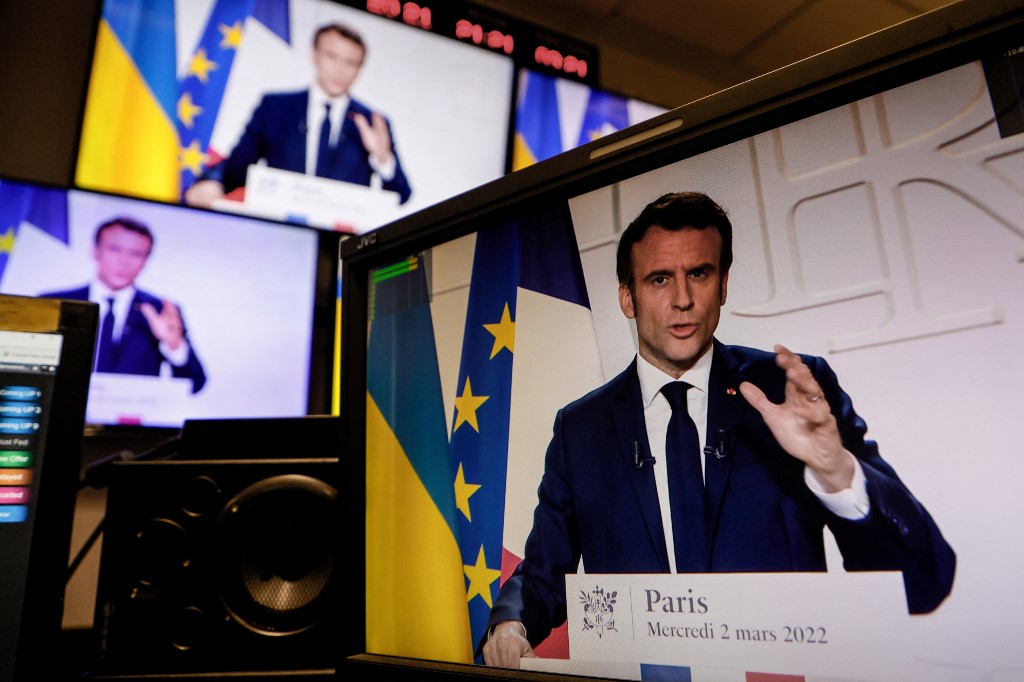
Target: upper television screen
<point>211,315</point>
<point>875,225</point>
<point>223,104</point>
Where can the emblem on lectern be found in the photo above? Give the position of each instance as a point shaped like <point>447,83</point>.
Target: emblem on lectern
<point>598,610</point>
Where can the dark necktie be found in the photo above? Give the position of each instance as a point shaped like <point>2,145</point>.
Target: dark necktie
<point>323,153</point>
<point>685,483</point>
<point>104,354</point>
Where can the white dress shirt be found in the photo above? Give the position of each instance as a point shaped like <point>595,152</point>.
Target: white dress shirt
<point>851,503</point>
<point>100,293</point>
<point>318,99</point>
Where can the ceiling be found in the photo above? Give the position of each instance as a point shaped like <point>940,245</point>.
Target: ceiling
<point>674,51</point>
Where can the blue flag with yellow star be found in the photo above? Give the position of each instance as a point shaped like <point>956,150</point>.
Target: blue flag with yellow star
<point>43,208</point>
<point>530,256</point>
<point>416,602</point>
<point>203,83</point>
<point>606,113</point>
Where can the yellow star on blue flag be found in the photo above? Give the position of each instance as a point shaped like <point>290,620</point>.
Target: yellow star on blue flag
<point>504,332</point>
<point>480,579</point>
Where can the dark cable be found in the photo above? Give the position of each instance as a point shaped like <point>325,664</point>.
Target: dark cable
<point>89,542</point>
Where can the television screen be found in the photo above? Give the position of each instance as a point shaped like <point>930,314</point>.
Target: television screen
<point>875,207</point>
<point>556,114</point>
<point>222,105</point>
<point>212,315</point>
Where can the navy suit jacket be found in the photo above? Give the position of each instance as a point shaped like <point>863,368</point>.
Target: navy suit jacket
<point>277,133</point>
<point>596,503</point>
<point>138,351</point>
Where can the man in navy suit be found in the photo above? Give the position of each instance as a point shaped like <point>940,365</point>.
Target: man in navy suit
<point>778,451</point>
<point>139,331</point>
<point>320,131</point>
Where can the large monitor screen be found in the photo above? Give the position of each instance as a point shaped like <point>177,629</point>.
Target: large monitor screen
<point>850,512</point>
<point>223,105</point>
<point>211,315</point>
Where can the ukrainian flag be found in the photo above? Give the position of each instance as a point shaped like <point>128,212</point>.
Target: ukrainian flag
<point>538,131</point>
<point>129,143</point>
<point>415,596</point>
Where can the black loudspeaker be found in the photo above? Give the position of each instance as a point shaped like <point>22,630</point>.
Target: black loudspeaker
<point>224,564</point>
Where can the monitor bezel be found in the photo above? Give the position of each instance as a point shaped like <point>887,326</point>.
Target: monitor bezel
<point>43,606</point>
<point>925,45</point>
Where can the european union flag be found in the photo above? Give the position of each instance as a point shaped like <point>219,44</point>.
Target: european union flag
<point>536,252</point>
<point>201,89</point>
<point>606,113</point>
<point>43,207</point>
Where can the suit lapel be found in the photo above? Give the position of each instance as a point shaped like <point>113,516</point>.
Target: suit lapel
<point>631,430</point>
<point>726,411</point>
<point>294,142</point>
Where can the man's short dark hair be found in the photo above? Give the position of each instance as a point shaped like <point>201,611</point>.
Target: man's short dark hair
<point>674,211</point>
<point>344,31</point>
<point>130,224</point>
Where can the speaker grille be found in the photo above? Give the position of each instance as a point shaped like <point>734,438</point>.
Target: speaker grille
<point>216,566</point>
<point>276,566</point>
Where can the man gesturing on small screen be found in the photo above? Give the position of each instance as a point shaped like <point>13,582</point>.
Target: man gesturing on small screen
<point>139,332</point>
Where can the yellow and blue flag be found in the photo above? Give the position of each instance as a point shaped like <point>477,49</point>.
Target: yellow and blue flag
<point>146,132</point>
<point>416,601</point>
<point>538,129</point>
<point>44,208</point>
<point>129,143</point>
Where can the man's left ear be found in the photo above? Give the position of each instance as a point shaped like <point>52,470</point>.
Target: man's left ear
<point>724,288</point>
<point>626,302</point>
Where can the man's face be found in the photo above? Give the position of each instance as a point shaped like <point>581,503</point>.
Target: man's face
<point>120,254</point>
<point>337,61</point>
<point>678,295</point>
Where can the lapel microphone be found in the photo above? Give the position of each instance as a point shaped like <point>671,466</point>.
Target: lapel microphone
<point>639,459</point>
<point>721,447</point>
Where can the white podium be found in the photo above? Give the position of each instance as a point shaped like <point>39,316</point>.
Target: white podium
<point>139,400</point>
<point>317,202</point>
<point>725,626</point>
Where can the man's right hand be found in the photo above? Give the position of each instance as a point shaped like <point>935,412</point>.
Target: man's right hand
<point>507,644</point>
<point>204,193</point>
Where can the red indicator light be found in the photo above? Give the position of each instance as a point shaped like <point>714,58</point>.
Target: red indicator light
<point>411,12</point>
<point>554,59</point>
<point>495,40</point>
